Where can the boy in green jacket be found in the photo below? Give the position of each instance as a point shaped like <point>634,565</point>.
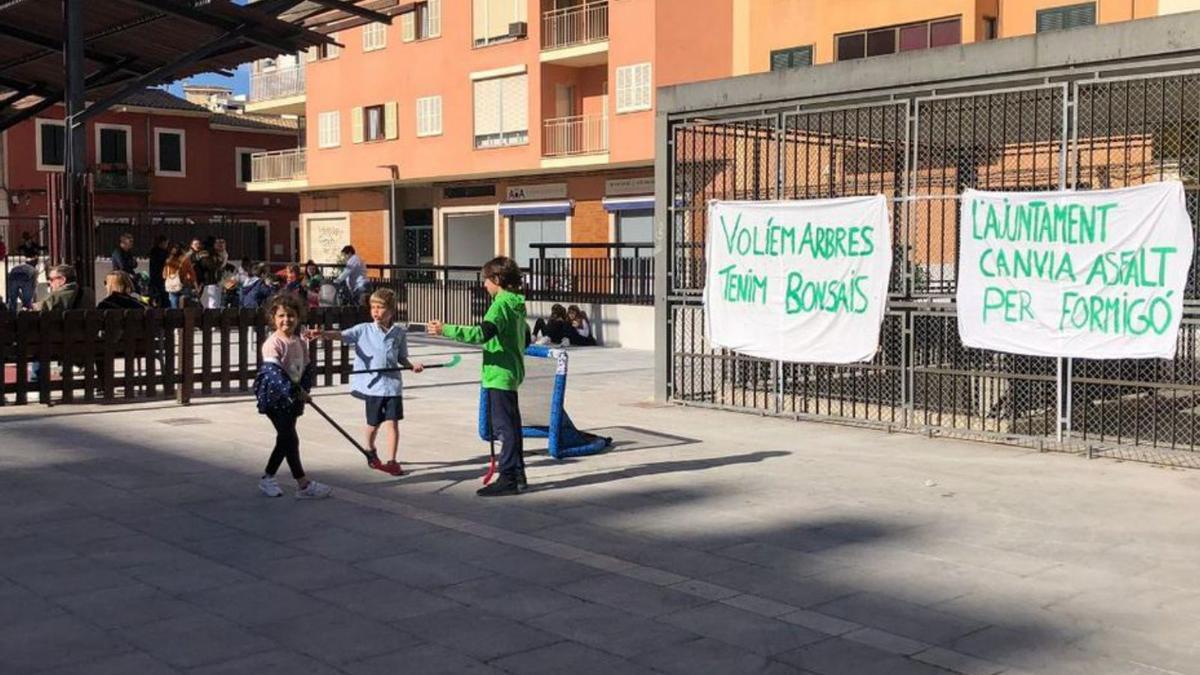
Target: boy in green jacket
<point>504,335</point>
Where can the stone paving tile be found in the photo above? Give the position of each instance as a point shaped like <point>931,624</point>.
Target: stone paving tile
<point>347,546</point>
<point>795,563</point>
<point>125,606</point>
<point>836,656</point>
<point>26,551</point>
<point>802,592</point>
<point>958,662</point>
<point>888,642</point>
<point>611,630</point>
<point>631,595</point>
<point>822,623</point>
<point>509,597</point>
<point>336,636</point>
<point>181,527</point>
<point>305,572</point>
<point>901,618</point>
<point>712,657</point>
<point>423,570</point>
<point>133,663</point>
<point>83,531</point>
<point>537,568</point>
<point>195,640</point>
<point>19,606</point>
<point>268,663</point>
<point>237,547</point>
<point>190,575</point>
<point>481,635</point>
<point>256,602</point>
<point>741,628</point>
<point>426,659</point>
<point>137,550</point>
<point>568,657</point>
<point>385,599</point>
<point>65,577</point>
<point>54,642</point>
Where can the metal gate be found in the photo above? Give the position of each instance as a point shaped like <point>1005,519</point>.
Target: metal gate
<point>1076,130</point>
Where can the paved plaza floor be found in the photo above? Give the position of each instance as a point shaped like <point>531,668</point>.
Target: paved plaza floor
<point>133,540</point>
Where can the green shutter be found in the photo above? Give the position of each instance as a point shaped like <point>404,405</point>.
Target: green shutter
<point>792,57</point>
<point>1071,16</point>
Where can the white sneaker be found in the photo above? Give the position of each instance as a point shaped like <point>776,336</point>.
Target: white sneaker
<point>566,342</point>
<point>270,487</point>
<point>314,490</point>
<point>543,341</point>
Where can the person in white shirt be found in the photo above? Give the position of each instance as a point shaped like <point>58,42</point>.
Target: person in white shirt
<point>354,275</point>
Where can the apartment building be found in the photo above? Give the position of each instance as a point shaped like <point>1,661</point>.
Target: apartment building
<point>781,34</point>
<point>508,122</point>
<point>504,123</point>
<point>159,164</point>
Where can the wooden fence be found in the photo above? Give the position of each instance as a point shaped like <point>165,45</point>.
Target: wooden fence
<point>109,356</point>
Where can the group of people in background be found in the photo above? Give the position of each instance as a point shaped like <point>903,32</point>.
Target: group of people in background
<point>566,326</point>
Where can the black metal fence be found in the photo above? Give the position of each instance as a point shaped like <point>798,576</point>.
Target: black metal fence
<point>621,273</point>
<point>448,293</point>
<point>1082,131</point>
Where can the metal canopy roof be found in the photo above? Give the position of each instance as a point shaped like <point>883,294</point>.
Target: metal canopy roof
<point>146,42</point>
<point>327,17</point>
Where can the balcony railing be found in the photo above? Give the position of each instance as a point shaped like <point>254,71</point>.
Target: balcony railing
<point>279,83</point>
<point>120,178</point>
<point>578,25</point>
<point>575,135</point>
<point>278,165</point>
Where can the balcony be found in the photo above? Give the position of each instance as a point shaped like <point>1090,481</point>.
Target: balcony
<point>120,178</point>
<point>575,141</point>
<point>280,91</point>
<point>278,171</point>
<point>576,36</point>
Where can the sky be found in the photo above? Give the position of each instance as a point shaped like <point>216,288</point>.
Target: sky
<point>240,82</point>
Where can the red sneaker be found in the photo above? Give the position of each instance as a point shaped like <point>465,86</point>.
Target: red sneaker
<point>393,467</point>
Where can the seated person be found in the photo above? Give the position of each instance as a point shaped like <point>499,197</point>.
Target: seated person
<point>553,330</point>
<point>121,294</point>
<point>583,328</point>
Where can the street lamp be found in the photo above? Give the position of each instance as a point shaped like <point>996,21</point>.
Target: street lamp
<point>394,234</point>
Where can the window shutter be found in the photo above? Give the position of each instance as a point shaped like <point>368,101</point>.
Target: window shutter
<point>780,60</point>
<point>390,113</point>
<point>310,54</point>
<point>433,10</point>
<point>514,99</point>
<point>422,116</point>
<point>479,20</point>
<point>435,114</point>
<point>487,107</point>
<point>356,125</point>
<point>644,86</point>
<point>333,51</point>
<point>408,26</point>
<point>622,88</point>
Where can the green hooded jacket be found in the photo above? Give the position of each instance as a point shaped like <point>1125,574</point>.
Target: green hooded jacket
<point>504,335</point>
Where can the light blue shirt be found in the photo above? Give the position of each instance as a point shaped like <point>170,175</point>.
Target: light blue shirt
<point>355,274</point>
<point>375,348</point>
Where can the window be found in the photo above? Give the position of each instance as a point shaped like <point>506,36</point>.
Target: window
<point>429,116</point>
<point>991,28</point>
<point>1071,16</point>
<point>502,111</point>
<point>52,145</point>
<point>324,52</point>
<point>498,20</point>
<point>373,123</point>
<point>329,129</point>
<point>792,57</point>
<point>893,39</point>
<point>423,22</point>
<point>170,156</point>
<point>374,36</point>
<point>244,164</point>
<point>633,88</point>
<point>528,230</point>
<point>113,144</point>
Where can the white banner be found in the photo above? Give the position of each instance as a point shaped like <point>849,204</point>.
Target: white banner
<point>1097,274</point>
<point>802,281</point>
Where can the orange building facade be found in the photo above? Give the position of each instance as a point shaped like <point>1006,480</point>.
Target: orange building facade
<point>502,123</point>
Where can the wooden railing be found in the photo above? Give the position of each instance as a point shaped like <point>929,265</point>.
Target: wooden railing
<point>578,25</point>
<point>122,355</point>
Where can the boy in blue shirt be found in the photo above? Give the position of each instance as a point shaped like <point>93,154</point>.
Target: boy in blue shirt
<point>379,344</point>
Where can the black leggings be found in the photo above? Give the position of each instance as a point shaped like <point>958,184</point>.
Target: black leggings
<point>287,444</point>
<point>505,414</point>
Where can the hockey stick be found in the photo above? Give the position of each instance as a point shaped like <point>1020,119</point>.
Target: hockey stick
<point>454,361</point>
<point>491,470</point>
<point>372,458</point>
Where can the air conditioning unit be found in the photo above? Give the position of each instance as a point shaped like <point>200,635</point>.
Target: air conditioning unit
<point>518,29</point>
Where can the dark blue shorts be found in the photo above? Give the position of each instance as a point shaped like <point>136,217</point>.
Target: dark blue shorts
<point>382,408</point>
